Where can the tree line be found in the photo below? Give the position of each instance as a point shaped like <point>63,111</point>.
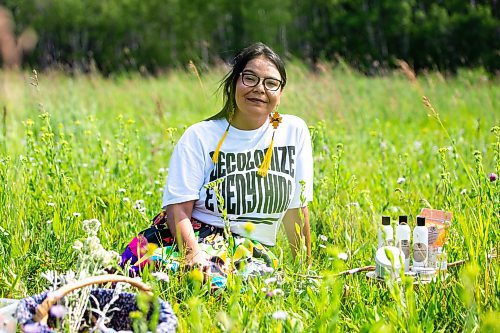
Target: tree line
<point>153,35</point>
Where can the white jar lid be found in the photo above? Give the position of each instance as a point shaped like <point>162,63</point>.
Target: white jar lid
<point>382,258</point>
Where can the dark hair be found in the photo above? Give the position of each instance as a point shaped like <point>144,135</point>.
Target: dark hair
<point>228,83</point>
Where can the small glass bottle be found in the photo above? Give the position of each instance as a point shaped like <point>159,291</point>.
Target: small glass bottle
<point>441,260</point>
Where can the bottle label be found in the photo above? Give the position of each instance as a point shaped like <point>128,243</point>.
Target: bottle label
<point>404,245</point>
<point>432,256</point>
<point>419,252</point>
<point>432,234</point>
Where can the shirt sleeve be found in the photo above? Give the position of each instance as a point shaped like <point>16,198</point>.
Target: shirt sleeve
<point>185,174</point>
<point>303,170</point>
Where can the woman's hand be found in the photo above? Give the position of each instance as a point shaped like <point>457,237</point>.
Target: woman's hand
<point>199,260</point>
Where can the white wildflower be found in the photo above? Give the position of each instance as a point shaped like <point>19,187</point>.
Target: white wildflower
<point>70,276</point>
<point>267,269</point>
<point>126,199</point>
<point>51,204</point>
<point>280,315</point>
<point>91,227</point>
<point>342,256</point>
<point>122,190</point>
<point>93,244</point>
<point>139,205</point>
<point>463,192</point>
<point>149,193</point>
<point>270,280</point>
<point>277,292</point>
<point>417,145</point>
<point>162,276</point>
<point>50,276</point>
<point>108,257</point>
<point>323,238</point>
<point>401,180</point>
<point>83,274</point>
<point>78,245</point>
<point>76,214</point>
<point>322,246</point>
<point>161,170</point>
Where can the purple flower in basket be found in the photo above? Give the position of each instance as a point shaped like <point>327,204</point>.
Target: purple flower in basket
<point>57,311</point>
<point>32,328</point>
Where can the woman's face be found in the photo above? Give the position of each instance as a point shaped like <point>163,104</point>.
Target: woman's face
<point>254,104</point>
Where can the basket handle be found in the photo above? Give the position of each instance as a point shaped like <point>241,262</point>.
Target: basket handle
<point>42,310</point>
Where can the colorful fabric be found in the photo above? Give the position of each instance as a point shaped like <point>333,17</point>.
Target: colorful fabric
<point>122,307</point>
<point>248,197</point>
<point>155,246</point>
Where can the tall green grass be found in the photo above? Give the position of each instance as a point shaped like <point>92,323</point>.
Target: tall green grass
<point>81,147</point>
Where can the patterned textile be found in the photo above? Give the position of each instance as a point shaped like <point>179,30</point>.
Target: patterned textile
<point>156,246</point>
<point>123,306</point>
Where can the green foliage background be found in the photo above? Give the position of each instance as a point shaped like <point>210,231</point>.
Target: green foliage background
<point>153,35</point>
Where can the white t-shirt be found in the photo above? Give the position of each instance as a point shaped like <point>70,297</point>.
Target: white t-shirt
<point>248,197</point>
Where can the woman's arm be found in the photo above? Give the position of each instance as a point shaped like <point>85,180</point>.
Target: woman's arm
<point>179,222</point>
<point>292,217</point>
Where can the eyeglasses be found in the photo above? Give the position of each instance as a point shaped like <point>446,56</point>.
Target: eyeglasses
<point>252,80</point>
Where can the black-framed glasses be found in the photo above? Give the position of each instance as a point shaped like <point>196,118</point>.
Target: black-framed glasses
<point>252,80</point>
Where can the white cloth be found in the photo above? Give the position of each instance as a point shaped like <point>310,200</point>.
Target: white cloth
<point>247,196</point>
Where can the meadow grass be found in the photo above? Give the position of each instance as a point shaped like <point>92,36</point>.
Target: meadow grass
<point>75,148</point>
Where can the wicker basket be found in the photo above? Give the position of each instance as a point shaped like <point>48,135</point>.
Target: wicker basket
<point>33,312</point>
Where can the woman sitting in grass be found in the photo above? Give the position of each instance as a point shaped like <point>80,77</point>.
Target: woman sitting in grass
<point>245,169</point>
